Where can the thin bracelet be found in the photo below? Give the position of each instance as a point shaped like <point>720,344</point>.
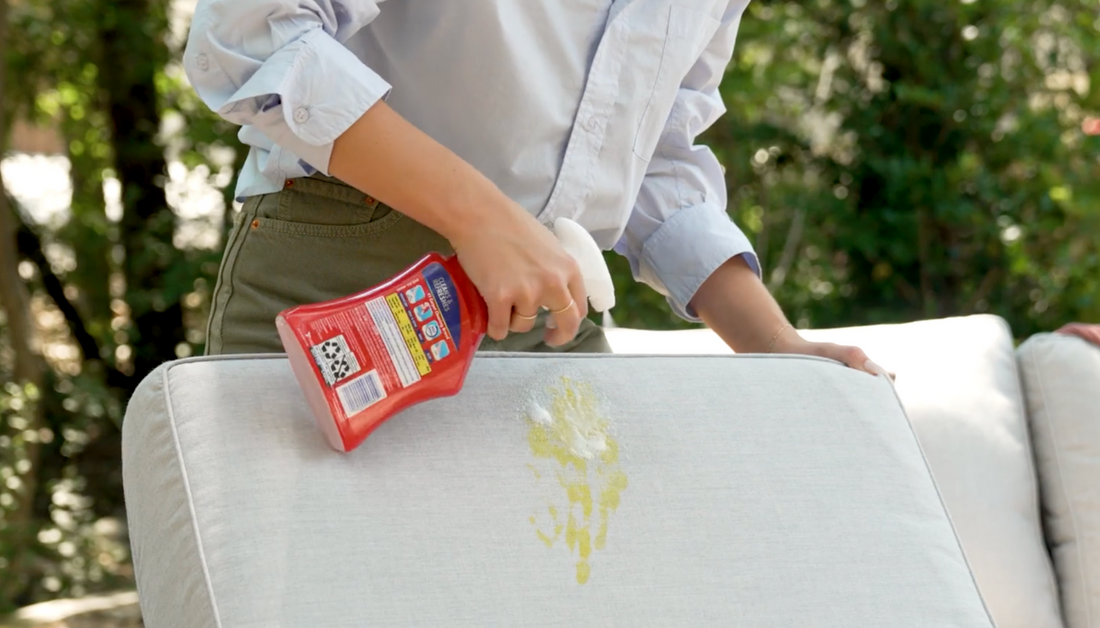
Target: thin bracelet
<point>776,336</point>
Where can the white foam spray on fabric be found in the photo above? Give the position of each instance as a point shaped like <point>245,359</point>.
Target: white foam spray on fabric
<point>582,428</point>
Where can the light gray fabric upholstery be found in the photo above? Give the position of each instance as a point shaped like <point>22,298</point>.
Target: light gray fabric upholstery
<point>958,381</point>
<point>758,492</point>
<point>1061,376</point>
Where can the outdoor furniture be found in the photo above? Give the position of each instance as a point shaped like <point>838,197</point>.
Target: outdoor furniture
<point>731,491</point>
<point>1009,433</point>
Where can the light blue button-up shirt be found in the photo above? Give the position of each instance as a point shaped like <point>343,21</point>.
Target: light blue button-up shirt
<point>586,109</point>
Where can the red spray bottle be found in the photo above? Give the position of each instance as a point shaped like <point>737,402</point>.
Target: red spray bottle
<point>363,358</point>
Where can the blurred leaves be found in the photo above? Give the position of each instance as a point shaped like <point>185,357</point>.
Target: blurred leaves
<point>921,159</point>
<point>103,75</point>
<point>60,550</point>
<point>18,437</point>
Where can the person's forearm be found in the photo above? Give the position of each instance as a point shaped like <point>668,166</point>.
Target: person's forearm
<point>387,157</point>
<point>738,307</point>
<point>515,262</point>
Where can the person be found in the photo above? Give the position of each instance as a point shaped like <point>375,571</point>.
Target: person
<point>379,131</point>
<point>1085,331</point>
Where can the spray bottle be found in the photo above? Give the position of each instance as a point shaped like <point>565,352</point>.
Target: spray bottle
<point>363,358</point>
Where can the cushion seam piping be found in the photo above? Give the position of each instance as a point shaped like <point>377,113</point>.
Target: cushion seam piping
<point>190,500</point>
<point>943,506</point>
<point>1079,554</point>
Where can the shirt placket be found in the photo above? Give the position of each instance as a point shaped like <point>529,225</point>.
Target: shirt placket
<point>580,163</point>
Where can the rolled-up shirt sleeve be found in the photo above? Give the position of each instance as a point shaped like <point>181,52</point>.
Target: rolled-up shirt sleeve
<point>678,232</point>
<point>280,66</point>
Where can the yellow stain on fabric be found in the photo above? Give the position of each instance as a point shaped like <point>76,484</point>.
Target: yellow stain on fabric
<point>591,487</point>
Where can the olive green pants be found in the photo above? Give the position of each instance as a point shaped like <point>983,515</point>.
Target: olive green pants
<point>319,239</point>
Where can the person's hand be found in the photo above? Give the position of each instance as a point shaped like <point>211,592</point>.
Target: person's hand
<point>518,266</point>
<point>515,262</point>
<point>736,305</point>
<point>790,341</point>
<point>1091,333</point>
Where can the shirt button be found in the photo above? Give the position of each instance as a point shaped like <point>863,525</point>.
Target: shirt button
<point>301,115</point>
<point>591,123</point>
<point>203,62</point>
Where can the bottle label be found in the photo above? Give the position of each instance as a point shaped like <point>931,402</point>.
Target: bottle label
<point>389,342</point>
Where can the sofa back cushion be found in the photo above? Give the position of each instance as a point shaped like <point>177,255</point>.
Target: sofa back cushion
<point>552,491</point>
<point>958,381</point>
<point>1061,376</point>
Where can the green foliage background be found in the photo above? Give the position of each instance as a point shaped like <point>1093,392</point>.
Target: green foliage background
<point>903,160</point>
<point>891,161</point>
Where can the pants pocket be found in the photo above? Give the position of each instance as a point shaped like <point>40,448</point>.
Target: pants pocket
<point>273,263</point>
<point>325,207</point>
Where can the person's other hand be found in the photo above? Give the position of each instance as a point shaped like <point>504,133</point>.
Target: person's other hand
<point>518,266</point>
<point>1091,333</point>
<point>790,341</point>
<point>735,304</point>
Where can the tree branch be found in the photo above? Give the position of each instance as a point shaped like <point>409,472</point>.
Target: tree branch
<point>790,249</point>
<point>929,303</point>
<point>148,224</point>
<point>991,279</point>
<point>908,291</point>
<point>30,247</point>
<point>13,292</point>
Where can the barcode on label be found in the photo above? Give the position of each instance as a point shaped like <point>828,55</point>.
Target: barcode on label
<point>361,393</point>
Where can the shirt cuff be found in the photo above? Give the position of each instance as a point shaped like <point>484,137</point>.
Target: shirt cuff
<point>315,90</point>
<point>688,247</point>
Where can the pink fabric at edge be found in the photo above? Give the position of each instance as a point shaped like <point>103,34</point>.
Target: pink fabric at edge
<point>1090,333</point>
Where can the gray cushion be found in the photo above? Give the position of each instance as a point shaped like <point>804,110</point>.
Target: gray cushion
<point>958,381</point>
<point>733,491</point>
<point>1061,376</point>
